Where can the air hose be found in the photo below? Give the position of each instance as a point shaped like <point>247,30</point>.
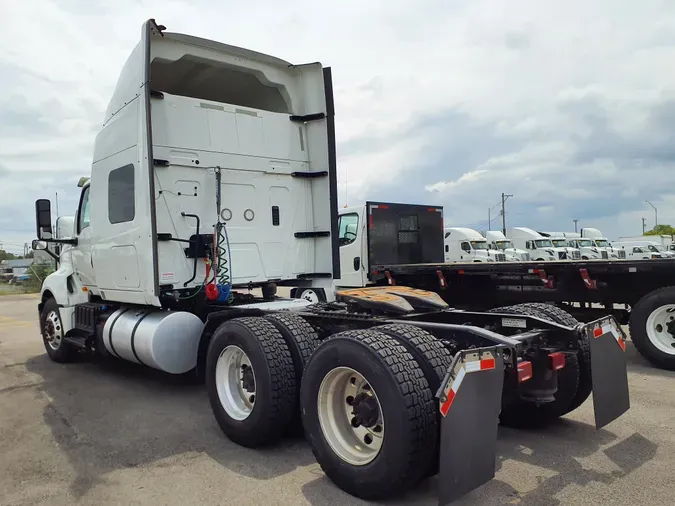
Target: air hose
<point>222,255</point>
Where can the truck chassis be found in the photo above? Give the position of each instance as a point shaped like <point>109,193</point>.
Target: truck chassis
<point>640,293</point>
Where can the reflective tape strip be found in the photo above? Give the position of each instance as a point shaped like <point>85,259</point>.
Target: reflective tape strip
<point>445,407</point>
<point>480,365</point>
<point>609,328</point>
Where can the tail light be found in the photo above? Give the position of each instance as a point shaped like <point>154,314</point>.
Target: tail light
<point>556,361</point>
<point>524,371</point>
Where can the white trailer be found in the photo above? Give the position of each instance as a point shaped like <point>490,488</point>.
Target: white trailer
<point>215,172</point>
<point>466,245</point>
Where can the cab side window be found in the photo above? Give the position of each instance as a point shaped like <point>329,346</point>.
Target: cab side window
<point>348,227</point>
<point>637,250</point>
<point>83,218</point>
<point>466,246</point>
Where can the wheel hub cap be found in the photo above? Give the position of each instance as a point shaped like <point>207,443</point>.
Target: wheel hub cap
<point>661,328</point>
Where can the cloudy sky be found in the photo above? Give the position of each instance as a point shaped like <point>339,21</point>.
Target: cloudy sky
<point>569,106</point>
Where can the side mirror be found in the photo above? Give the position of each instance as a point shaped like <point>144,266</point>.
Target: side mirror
<point>43,217</point>
<point>38,245</point>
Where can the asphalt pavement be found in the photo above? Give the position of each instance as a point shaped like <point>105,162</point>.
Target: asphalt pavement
<point>103,433</point>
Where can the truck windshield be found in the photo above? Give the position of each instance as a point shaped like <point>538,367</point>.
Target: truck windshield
<point>479,244</point>
<point>585,243</point>
<point>653,248</point>
<point>602,243</point>
<point>559,243</point>
<point>504,244</point>
<point>543,243</point>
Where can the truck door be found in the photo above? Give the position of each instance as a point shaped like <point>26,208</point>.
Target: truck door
<point>351,236</point>
<point>81,254</point>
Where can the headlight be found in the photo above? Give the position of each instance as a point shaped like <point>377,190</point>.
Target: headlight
<point>550,252</point>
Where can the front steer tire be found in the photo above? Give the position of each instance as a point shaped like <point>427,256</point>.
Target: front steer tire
<point>275,383</point>
<point>51,325</point>
<point>408,409</point>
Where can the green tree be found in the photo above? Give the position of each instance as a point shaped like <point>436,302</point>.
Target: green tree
<point>661,230</point>
<point>38,273</point>
<point>6,255</point>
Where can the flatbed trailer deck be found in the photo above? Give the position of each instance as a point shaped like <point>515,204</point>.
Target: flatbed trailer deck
<point>640,293</point>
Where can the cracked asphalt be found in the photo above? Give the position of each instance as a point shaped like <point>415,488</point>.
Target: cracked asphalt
<point>100,433</point>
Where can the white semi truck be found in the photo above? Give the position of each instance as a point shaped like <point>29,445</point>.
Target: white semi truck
<point>601,242</point>
<point>586,247</point>
<point>539,247</point>
<point>467,245</point>
<point>214,172</point>
<point>498,241</point>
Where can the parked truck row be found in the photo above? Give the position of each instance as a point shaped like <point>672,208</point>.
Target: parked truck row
<point>214,172</point>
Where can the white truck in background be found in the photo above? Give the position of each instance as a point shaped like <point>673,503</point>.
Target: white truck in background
<point>498,241</point>
<point>586,247</point>
<point>466,245</point>
<point>539,247</point>
<point>601,242</point>
<point>640,250</point>
<point>663,242</point>
<point>560,241</point>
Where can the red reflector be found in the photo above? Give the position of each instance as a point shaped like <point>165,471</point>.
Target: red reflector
<point>461,271</point>
<point>597,332</point>
<point>524,371</point>
<point>370,221</point>
<point>445,407</point>
<point>487,363</point>
<point>622,343</point>
<point>383,206</point>
<point>556,360</point>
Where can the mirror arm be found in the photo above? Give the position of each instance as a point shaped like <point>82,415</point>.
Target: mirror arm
<point>61,241</point>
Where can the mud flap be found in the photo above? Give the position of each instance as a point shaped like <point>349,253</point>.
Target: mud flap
<point>470,402</point>
<point>608,370</point>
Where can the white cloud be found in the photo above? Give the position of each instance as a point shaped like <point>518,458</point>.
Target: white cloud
<point>535,80</point>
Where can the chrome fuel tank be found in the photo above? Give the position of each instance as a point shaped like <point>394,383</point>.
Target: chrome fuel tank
<point>164,340</point>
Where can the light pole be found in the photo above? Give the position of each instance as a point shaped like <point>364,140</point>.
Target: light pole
<point>575,225</point>
<point>656,214</point>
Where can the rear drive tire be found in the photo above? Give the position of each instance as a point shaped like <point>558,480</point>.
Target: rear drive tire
<point>51,329</point>
<point>369,373</point>
<point>250,380</point>
<point>526,415</point>
<point>433,358</point>
<point>301,340</point>
<point>651,329</point>
<point>558,315</point>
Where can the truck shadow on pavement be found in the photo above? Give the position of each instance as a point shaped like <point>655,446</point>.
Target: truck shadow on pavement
<point>541,463</point>
<point>114,415</point>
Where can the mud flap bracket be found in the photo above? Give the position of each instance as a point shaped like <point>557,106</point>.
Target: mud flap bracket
<point>470,400</point>
<point>608,370</point>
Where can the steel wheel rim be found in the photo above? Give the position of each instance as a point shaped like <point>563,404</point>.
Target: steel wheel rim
<point>355,445</point>
<point>52,330</point>
<point>310,295</point>
<point>235,382</point>
<point>661,328</point>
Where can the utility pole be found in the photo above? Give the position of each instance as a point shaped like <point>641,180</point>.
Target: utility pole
<point>504,198</point>
<point>575,225</point>
<point>656,214</point>
<point>644,226</point>
<point>489,219</point>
